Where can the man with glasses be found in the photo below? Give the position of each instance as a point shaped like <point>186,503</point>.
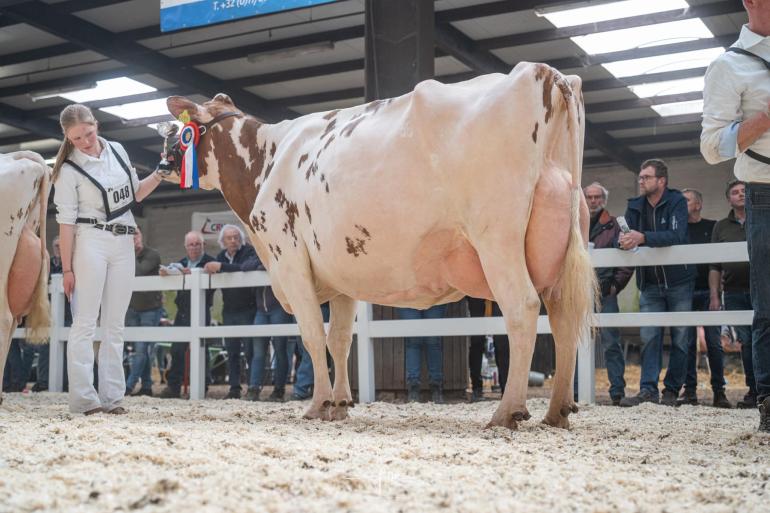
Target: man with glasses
<point>196,257</point>
<point>658,218</point>
<point>736,124</point>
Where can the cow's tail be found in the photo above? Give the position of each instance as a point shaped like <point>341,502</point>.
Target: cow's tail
<point>38,320</point>
<point>578,287</point>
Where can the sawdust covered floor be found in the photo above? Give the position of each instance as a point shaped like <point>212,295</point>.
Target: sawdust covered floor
<point>172,455</point>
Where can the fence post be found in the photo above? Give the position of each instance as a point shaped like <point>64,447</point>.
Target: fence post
<point>586,368</point>
<point>56,368</point>
<point>365,346</point>
<point>197,345</point>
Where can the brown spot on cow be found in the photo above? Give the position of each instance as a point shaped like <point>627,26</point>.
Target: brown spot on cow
<point>269,169</point>
<point>307,213</point>
<point>239,189</point>
<point>329,115</point>
<point>302,160</point>
<point>327,187</point>
<point>258,222</point>
<point>323,177</point>
<point>315,241</point>
<point>278,249</point>
<point>328,141</point>
<point>534,132</point>
<point>374,106</point>
<point>332,124</point>
<point>311,170</point>
<point>291,210</point>
<point>273,148</point>
<point>347,130</point>
<point>272,251</point>
<point>357,245</point>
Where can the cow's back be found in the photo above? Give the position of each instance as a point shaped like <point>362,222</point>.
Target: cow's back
<point>385,191</point>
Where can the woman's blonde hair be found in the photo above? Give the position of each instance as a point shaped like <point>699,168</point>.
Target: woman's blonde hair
<point>69,117</point>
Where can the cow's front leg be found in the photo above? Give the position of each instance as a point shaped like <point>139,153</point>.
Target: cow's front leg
<point>297,285</point>
<point>343,313</point>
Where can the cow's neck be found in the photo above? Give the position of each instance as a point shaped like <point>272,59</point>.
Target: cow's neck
<point>243,163</point>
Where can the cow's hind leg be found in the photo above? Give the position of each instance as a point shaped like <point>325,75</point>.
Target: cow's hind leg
<point>562,403</point>
<point>513,289</point>
<point>343,313</point>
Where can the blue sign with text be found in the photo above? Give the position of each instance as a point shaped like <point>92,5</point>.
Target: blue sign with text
<point>179,14</point>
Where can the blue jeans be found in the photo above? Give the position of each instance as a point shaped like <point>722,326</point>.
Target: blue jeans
<point>716,355</point>
<point>655,298</point>
<point>43,358</point>
<point>758,240</point>
<point>260,344</point>
<point>742,301</point>
<point>304,381</point>
<point>233,345</point>
<point>141,360</point>
<point>613,353</point>
<point>434,350</point>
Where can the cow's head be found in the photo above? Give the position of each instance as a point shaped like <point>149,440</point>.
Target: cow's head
<point>215,119</point>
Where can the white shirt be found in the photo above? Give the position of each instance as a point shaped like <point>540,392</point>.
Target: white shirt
<point>75,196</point>
<point>737,87</point>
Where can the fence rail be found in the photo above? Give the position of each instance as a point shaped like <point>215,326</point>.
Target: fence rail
<point>367,329</point>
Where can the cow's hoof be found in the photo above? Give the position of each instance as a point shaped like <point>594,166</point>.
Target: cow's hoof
<point>560,419</point>
<point>339,413</point>
<point>510,421</point>
<point>318,411</point>
<point>557,421</point>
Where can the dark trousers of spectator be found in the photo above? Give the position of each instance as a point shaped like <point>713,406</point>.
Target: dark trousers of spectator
<point>175,374</point>
<point>17,366</point>
<point>233,345</point>
<point>476,349</point>
<point>614,359</point>
<point>758,241</point>
<point>714,350</point>
<point>742,301</point>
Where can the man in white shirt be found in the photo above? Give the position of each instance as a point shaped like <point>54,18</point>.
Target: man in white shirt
<point>736,124</point>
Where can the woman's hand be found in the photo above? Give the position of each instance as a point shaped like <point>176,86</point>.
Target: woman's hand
<point>69,284</point>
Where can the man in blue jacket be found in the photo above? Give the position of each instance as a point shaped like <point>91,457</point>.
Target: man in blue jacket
<point>658,218</point>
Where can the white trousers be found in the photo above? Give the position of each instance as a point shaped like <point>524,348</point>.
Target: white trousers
<point>104,266</point>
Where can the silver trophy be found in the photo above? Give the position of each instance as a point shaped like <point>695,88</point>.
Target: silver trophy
<point>167,130</point>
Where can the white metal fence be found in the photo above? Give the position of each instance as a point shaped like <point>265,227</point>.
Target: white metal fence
<point>367,329</point>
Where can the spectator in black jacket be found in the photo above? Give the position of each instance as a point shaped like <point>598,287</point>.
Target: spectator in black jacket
<point>194,246</point>
<point>239,303</point>
<point>699,231</point>
<point>269,311</point>
<point>658,218</point>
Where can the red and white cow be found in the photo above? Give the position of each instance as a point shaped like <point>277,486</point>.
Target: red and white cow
<point>471,188</point>
<point>24,188</point>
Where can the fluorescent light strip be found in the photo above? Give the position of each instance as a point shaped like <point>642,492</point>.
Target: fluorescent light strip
<point>677,109</point>
<point>662,63</point>
<point>686,85</point>
<point>137,110</point>
<point>105,89</point>
<point>609,11</point>
<point>638,37</point>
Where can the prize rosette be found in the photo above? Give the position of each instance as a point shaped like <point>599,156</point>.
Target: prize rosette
<point>188,140</point>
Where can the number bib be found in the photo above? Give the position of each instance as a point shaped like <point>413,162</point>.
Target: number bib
<point>117,200</point>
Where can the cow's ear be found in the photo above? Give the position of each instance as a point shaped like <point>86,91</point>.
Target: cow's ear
<point>222,97</point>
<point>178,104</point>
